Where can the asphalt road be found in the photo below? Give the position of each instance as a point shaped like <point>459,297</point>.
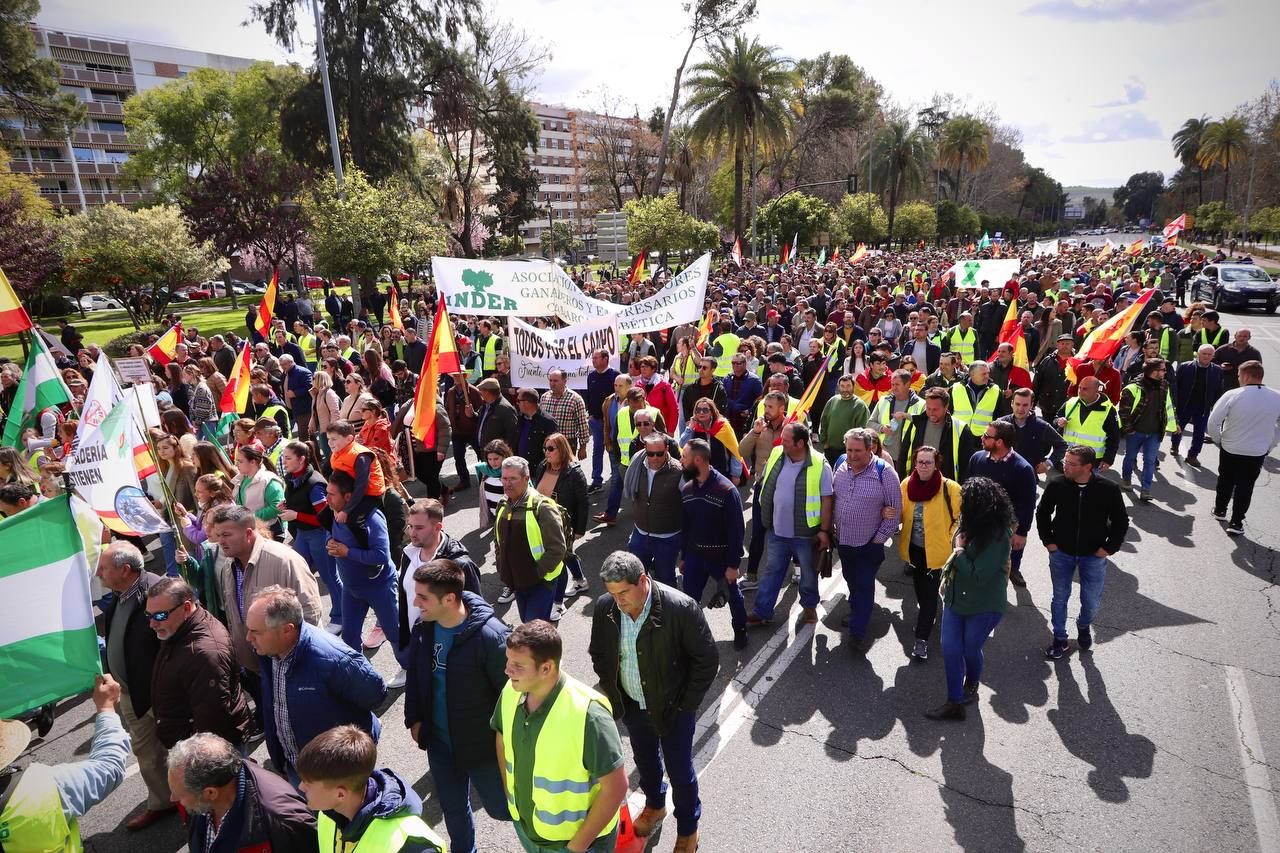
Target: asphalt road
<point>1164,737</point>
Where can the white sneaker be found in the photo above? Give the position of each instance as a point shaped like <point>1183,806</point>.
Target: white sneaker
<point>334,628</point>
<point>795,575</point>
<point>576,588</point>
<point>556,612</point>
<point>398,680</point>
<point>375,638</point>
<point>747,583</point>
<point>507,595</point>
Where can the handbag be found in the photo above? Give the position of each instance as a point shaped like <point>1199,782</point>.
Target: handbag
<point>825,560</point>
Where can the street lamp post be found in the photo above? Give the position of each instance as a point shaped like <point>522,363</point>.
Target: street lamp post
<point>289,209</point>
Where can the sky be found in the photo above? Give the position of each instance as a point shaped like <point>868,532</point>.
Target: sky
<point>1096,87</point>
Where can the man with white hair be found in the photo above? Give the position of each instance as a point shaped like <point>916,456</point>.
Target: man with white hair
<point>296,383</point>
<point>1197,385</point>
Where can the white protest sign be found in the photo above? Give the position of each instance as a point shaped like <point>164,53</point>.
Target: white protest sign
<point>543,289</point>
<point>536,351</point>
<point>102,473</point>
<point>134,370</point>
<point>1045,247</point>
<point>995,272</point>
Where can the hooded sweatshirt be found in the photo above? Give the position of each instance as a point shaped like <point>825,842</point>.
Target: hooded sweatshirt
<point>386,795</point>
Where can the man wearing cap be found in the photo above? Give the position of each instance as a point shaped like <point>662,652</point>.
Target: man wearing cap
<point>42,805</point>
<point>1050,382</point>
<point>498,418</point>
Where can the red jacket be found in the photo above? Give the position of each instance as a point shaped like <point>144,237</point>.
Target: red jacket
<point>659,394</point>
<point>1111,381</point>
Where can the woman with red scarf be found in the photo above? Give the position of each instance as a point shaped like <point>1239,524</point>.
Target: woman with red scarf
<point>706,425</point>
<point>930,511</point>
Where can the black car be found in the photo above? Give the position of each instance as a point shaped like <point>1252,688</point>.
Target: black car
<point>1242,286</point>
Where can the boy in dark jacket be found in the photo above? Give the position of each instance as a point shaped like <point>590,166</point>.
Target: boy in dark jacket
<point>457,663</point>
<point>358,803</point>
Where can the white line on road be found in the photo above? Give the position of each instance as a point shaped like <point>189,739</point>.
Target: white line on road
<point>1257,776</point>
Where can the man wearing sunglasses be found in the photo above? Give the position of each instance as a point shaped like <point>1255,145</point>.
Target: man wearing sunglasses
<point>195,686</point>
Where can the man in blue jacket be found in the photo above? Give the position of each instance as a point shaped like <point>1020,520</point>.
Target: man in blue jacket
<point>310,681</point>
<point>743,391</point>
<point>1197,387</point>
<point>297,393</point>
<point>457,663</point>
<point>998,461</point>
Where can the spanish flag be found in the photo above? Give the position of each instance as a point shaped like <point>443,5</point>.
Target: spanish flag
<point>704,329</point>
<point>858,254</point>
<point>1107,248</point>
<point>13,317</point>
<point>1009,326</point>
<point>722,430</point>
<point>1135,249</point>
<point>162,350</point>
<point>396,322</point>
<point>442,358</point>
<point>143,461</point>
<point>637,269</point>
<point>995,250</point>
<point>836,254</point>
<point>1011,333</point>
<point>267,307</point>
<point>235,397</point>
<point>811,393</point>
<point>1106,338</point>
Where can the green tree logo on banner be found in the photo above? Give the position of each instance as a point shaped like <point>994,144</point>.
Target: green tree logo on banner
<point>477,280</point>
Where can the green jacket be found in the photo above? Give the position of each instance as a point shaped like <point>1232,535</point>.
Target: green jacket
<point>978,582</point>
<point>838,417</point>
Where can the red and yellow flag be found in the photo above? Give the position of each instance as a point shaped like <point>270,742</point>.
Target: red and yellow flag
<point>995,250</point>
<point>442,358</point>
<point>723,431</point>
<point>704,329</point>
<point>162,350</point>
<point>970,247</point>
<point>13,317</point>
<point>1107,337</point>
<point>811,393</point>
<point>267,307</point>
<point>1135,249</point>
<point>836,253</point>
<point>396,322</point>
<point>735,254</point>
<point>858,253</point>
<point>637,268</point>
<point>235,397</point>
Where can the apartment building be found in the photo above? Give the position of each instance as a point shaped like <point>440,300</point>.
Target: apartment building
<point>84,170</point>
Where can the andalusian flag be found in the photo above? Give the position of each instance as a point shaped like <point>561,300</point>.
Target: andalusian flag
<point>736,254</point>
<point>822,257</point>
<point>1106,338</point>
<point>235,397</point>
<point>985,242</point>
<point>267,307</point>
<point>41,388</point>
<point>13,317</point>
<point>637,269</point>
<point>162,350</point>
<point>48,643</point>
<point>442,359</point>
<point>396,322</point>
<point>858,253</point>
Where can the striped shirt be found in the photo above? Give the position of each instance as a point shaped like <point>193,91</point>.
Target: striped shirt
<point>860,500</point>
<point>280,704</point>
<point>570,414</point>
<point>630,670</point>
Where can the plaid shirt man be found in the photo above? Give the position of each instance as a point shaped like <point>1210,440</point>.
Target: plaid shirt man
<point>570,414</point>
<point>280,703</point>
<point>629,673</point>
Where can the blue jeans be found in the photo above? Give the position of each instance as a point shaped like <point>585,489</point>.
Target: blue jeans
<point>572,566</point>
<point>859,564</point>
<point>310,543</point>
<point>169,545</point>
<point>1149,445</point>
<point>697,571</point>
<point>1199,421</point>
<point>322,445</point>
<point>616,472</point>
<point>597,450</point>
<point>535,602</point>
<point>755,551</point>
<point>962,641</point>
<point>361,593</point>
<point>452,784</point>
<point>606,843</point>
<point>674,749</point>
<point>1062,567</point>
<point>781,549</point>
<point>659,555</point>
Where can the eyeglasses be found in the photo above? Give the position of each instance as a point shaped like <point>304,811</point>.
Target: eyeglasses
<point>703,410</point>
<point>644,423</point>
<point>547,448</point>
<point>162,615</point>
<point>654,454</point>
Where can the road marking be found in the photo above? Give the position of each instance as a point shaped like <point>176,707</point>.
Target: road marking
<point>1257,777</point>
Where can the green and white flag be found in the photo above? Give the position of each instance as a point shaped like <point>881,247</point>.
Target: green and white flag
<point>48,643</point>
<point>41,387</point>
<point>822,257</point>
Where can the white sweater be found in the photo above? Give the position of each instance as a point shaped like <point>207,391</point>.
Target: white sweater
<point>1246,420</point>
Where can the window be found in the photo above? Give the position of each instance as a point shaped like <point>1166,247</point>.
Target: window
<point>110,126</point>
<point>104,97</point>
<point>115,156</point>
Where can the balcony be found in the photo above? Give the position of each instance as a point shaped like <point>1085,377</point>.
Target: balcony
<point>113,79</point>
<point>41,167</point>
<point>99,137</point>
<point>92,199</point>
<point>106,109</point>
<point>83,43</point>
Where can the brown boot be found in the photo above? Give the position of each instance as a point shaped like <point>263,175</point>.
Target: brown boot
<point>647,821</point>
<point>686,843</point>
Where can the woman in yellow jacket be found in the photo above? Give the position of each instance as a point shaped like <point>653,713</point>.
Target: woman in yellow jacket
<point>930,511</point>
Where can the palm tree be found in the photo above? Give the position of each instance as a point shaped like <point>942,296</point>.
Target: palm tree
<point>965,142</point>
<point>906,156</point>
<point>1186,145</point>
<point>1223,143</point>
<point>739,96</point>
<point>682,171</point>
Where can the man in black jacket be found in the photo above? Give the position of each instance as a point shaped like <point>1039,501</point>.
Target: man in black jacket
<point>428,541</point>
<point>458,650</point>
<point>497,418</point>
<point>1050,382</point>
<point>206,774</point>
<point>937,427</point>
<point>1082,521</point>
<point>532,428</point>
<point>653,651</point>
<point>131,657</point>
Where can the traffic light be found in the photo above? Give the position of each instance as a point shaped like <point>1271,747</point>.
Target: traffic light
<point>851,184</point>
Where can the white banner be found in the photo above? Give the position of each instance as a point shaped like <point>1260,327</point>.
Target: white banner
<point>1045,247</point>
<point>994,272</point>
<point>536,351</point>
<point>543,289</point>
<point>103,475</point>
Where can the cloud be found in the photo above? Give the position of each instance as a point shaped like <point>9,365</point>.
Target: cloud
<point>1099,11</point>
<point>1117,127</point>
<point>1135,91</point>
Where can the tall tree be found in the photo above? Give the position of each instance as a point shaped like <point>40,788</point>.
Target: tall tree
<point>381,55</point>
<point>1224,143</point>
<point>1137,198</point>
<point>1186,146</point>
<point>29,84</point>
<point>965,142</point>
<point>739,97</point>
<point>905,155</point>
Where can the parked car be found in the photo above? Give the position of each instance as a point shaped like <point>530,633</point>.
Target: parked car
<point>313,282</point>
<point>99,302</point>
<point>1236,286</point>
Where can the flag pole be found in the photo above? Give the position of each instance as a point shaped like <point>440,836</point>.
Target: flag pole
<point>169,498</point>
